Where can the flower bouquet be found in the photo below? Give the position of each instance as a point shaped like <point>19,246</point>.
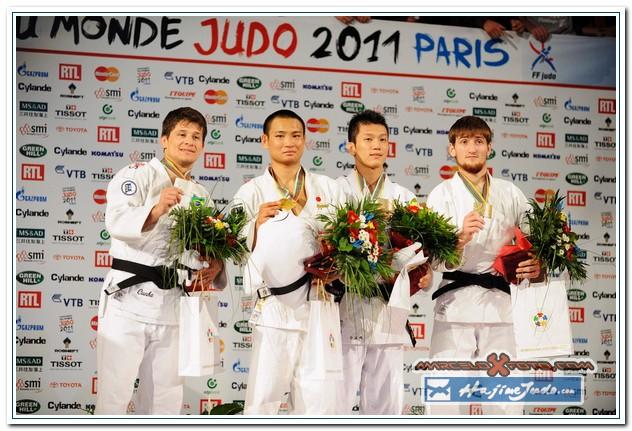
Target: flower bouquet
<point>352,243</point>
<point>414,222</point>
<point>209,231</point>
<point>554,244</point>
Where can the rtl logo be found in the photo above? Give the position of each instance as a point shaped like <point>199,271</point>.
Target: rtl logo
<point>545,140</point>
<point>29,299</point>
<point>215,160</point>
<point>576,314</point>
<point>576,198</point>
<point>351,89</point>
<point>476,409</point>
<point>102,259</point>
<point>108,134</point>
<point>93,387</point>
<point>392,150</point>
<point>70,72</point>
<point>419,330</point>
<point>32,172</point>
<point>607,106</point>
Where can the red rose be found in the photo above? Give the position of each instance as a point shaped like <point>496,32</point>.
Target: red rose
<point>413,209</point>
<point>352,217</point>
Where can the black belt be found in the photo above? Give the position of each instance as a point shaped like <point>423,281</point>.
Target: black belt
<point>264,292</point>
<point>462,279</point>
<point>162,276</point>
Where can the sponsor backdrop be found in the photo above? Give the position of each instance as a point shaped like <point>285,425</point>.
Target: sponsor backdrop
<point>91,92</point>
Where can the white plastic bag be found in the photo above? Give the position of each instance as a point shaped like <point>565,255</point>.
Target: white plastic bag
<point>542,326</point>
<point>322,349</point>
<point>199,342</point>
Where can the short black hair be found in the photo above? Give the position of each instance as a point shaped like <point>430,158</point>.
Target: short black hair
<point>468,126</point>
<point>187,114</point>
<point>364,117</point>
<point>281,113</point>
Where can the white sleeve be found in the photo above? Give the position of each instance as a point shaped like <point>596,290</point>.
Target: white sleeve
<point>245,197</point>
<point>127,205</point>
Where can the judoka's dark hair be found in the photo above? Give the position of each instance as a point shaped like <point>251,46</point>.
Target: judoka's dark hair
<point>187,114</point>
<point>364,117</point>
<point>281,113</point>
<point>468,126</point>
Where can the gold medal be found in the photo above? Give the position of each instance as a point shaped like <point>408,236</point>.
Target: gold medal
<point>287,204</point>
<point>385,204</point>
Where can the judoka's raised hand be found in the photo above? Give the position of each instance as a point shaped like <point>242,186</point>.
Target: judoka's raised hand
<point>267,210</point>
<point>169,197</point>
<point>472,223</point>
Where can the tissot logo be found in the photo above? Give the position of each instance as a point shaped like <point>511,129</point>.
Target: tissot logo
<point>351,90</point>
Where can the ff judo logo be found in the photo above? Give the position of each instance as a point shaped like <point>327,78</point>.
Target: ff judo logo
<point>543,66</point>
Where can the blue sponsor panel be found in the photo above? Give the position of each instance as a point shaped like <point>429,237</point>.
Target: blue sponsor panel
<point>524,390</point>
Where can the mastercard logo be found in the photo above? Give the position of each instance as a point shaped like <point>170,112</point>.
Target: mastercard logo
<point>543,195</point>
<point>447,171</point>
<point>318,125</point>
<point>99,196</point>
<point>109,74</point>
<point>215,97</point>
<point>94,322</point>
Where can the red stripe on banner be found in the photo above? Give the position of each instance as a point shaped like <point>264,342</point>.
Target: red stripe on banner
<point>306,68</point>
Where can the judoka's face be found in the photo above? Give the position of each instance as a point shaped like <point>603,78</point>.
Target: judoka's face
<point>471,152</point>
<point>184,144</point>
<point>371,145</point>
<point>285,141</point>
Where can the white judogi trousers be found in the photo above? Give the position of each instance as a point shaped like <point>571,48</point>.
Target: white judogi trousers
<point>375,371</point>
<point>276,370</point>
<point>472,341</point>
<point>122,345</point>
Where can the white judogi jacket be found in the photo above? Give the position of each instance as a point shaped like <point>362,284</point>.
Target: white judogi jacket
<point>131,194</point>
<point>476,303</point>
<point>360,318</point>
<point>283,243</point>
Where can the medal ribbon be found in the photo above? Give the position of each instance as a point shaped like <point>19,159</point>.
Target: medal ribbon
<point>298,185</point>
<point>377,191</point>
<point>174,169</point>
<point>480,198</point>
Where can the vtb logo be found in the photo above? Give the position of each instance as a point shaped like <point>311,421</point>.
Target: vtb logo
<point>32,172</point>
<point>69,72</point>
<point>318,125</point>
<point>351,90</point>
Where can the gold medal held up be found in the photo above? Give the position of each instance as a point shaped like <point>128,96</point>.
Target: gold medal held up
<point>287,204</point>
<point>484,209</point>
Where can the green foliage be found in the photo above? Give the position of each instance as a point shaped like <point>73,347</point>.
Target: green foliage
<point>209,231</point>
<point>554,244</point>
<point>227,409</point>
<point>437,235</point>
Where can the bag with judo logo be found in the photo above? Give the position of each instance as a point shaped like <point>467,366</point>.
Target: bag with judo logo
<point>199,342</point>
<point>542,325</point>
<point>322,348</point>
